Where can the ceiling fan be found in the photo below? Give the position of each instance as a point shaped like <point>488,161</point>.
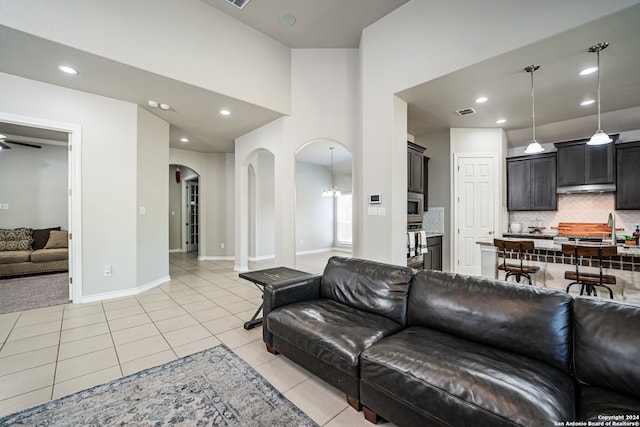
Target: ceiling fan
<point>4,141</point>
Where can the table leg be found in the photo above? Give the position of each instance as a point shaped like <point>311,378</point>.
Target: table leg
<point>253,322</point>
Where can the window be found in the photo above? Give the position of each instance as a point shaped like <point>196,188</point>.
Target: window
<point>343,219</point>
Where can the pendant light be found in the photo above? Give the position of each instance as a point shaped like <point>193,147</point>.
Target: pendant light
<point>332,191</point>
<point>534,146</point>
<point>600,137</point>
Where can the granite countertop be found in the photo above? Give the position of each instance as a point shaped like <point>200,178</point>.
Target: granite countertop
<point>550,244</point>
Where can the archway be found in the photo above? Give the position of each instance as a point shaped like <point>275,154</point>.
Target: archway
<point>184,209</point>
<point>323,216</point>
<point>261,206</point>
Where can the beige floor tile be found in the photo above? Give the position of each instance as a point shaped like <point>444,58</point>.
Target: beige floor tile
<point>215,294</point>
<point>223,324</point>
<point>84,346</point>
<point>35,318</point>
<point>186,335</point>
<point>239,337</point>
<point>30,344</point>
<point>239,307</point>
<point>65,388</point>
<point>148,298</point>
<point>283,374</point>
<point>349,417</point>
<point>34,330</point>
<point>167,313</point>
<point>8,320</point>
<point>86,364</point>
<point>226,300</point>
<point>77,310</point>
<point>147,362</point>
<point>188,299</point>
<point>124,312</point>
<point>210,314</point>
<point>135,333</point>
<point>317,399</point>
<point>26,381</point>
<point>24,401</point>
<point>160,304</point>
<point>29,360</point>
<point>88,319</point>
<point>82,332</point>
<point>4,334</point>
<point>141,348</point>
<point>196,346</point>
<point>195,307</point>
<point>120,303</point>
<point>174,323</point>
<point>129,322</point>
<point>255,353</point>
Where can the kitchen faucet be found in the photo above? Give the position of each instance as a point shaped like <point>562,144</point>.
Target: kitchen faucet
<point>611,222</point>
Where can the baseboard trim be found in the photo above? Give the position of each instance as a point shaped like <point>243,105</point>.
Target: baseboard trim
<point>216,258</point>
<point>262,258</point>
<point>125,292</point>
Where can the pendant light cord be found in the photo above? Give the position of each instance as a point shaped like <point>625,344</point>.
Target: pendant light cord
<point>598,65</point>
<point>533,107</point>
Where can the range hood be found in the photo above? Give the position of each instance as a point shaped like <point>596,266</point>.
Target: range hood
<point>587,188</point>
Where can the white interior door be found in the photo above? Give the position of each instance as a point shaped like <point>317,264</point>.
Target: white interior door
<point>193,215</point>
<point>476,197</point>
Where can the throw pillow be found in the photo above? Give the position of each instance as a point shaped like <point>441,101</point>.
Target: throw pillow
<point>16,239</point>
<point>57,240</point>
<point>41,237</point>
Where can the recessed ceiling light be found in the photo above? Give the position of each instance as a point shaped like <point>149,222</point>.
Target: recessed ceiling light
<point>481,99</point>
<point>152,104</point>
<point>501,121</point>
<point>287,20</point>
<point>165,106</point>
<point>587,102</point>
<point>67,69</point>
<point>225,112</point>
<point>184,139</point>
<point>588,71</point>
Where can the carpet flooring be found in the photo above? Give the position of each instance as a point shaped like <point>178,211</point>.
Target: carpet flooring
<point>211,388</point>
<point>26,293</point>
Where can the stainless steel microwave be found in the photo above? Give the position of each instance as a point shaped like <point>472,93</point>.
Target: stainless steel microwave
<point>415,207</point>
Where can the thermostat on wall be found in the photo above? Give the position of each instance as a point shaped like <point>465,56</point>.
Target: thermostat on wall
<point>374,198</point>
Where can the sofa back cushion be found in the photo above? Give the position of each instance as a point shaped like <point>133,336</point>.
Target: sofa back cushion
<point>16,239</point>
<point>41,237</point>
<point>368,285</point>
<point>522,319</point>
<point>607,344</point>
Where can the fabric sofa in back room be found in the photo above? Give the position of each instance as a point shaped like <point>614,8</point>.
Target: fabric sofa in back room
<point>423,348</point>
<point>25,251</point>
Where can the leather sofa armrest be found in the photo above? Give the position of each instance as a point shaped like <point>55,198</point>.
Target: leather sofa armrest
<point>287,292</point>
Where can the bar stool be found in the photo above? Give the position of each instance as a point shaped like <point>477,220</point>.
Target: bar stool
<point>589,281</point>
<point>519,247</point>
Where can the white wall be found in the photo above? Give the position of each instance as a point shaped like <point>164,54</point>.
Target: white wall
<point>265,209</point>
<point>314,213</point>
<point>34,184</point>
<point>207,48</point>
<point>419,42</point>
<point>109,173</point>
<point>152,200</point>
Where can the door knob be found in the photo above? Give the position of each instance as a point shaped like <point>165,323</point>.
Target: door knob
<point>491,232</point>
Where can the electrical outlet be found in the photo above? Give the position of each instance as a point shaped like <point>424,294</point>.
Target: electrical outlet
<point>221,245</point>
<point>107,270</point>
<point>5,206</point>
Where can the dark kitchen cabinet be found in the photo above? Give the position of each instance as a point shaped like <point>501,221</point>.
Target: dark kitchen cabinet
<point>433,257</point>
<point>628,176</point>
<point>531,183</point>
<point>582,164</point>
<point>415,168</point>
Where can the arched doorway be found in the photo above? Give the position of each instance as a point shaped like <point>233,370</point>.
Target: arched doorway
<point>184,209</point>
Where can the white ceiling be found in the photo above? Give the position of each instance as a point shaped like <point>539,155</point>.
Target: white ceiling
<point>431,106</point>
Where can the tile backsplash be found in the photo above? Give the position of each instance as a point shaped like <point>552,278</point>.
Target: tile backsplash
<point>590,207</point>
<point>433,220</point>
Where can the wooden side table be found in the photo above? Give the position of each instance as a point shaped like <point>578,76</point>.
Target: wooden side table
<point>262,278</point>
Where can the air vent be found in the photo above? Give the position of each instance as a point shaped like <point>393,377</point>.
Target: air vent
<point>240,4</point>
<point>465,112</point>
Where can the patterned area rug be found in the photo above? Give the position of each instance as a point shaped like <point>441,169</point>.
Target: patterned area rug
<point>211,388</point>
<point>26,293</point>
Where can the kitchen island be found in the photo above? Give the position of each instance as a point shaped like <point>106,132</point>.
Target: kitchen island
<point>548,256</point>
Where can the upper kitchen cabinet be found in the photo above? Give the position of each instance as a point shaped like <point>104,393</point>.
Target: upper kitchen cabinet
<point>580,164</point>
<point>531,183</point>
<point>628,176</point>
<point>415,168</point>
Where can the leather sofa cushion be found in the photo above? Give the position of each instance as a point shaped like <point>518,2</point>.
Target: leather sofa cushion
<point>464,383</point>
<point>330,331</point>
<point>531,321</point>
<point>593,402</point>
<point>368,285</point>
<point>607,344</point>
<point>12,257</point>
<point>46,255</point>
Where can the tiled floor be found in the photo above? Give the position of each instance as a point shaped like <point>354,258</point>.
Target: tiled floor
<point>51,352</point>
